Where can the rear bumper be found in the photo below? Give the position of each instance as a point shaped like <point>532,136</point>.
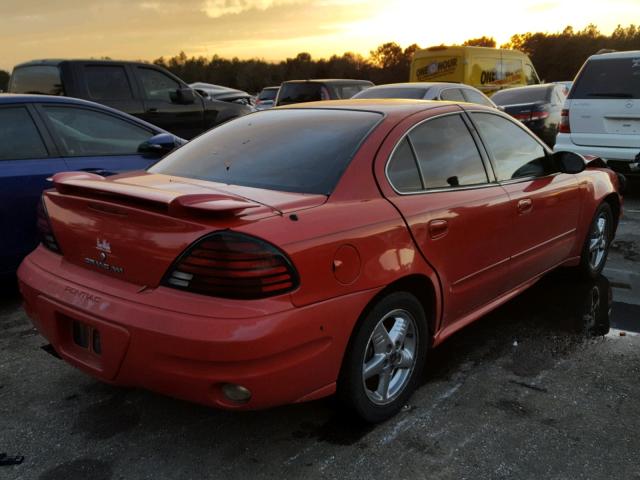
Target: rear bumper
<point>280,355</point>
<point>621,159</point>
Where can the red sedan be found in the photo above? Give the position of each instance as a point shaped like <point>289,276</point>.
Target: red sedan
<point>300,252</point>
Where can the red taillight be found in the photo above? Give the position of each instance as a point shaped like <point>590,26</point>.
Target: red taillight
<point>564,126</point>
<point>45,231</point>
<point>233,265</point>
<point>539,115</point>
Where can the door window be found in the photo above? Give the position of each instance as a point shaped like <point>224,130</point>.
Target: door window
<point>403,169</point>
<point>452,95</point>
<point>447,154</point>
<point>516,154</point>
<point>107,82</point>
<point>19,136</point>
<point>85,132</point>
<point>476,97</point>
<point>157,85</point>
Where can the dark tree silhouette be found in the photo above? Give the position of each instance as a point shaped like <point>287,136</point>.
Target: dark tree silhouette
<point>4,80</point>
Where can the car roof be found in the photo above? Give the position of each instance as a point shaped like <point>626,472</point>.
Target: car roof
<point>329,80</point>
<point>400,106</point>
<point>58,61</point>
<point>541,86</point>
<point>605,56</point>
<point>21,98</point>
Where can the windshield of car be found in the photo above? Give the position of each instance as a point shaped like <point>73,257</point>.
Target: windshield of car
<point>40,79</point>
<point>521,95</point>
<point>296,150</point>
<point>393,92</point>
<point>268,94</point>
<point>613,78</point>
<point>302,92</point>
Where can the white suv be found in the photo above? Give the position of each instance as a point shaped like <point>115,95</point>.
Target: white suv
<point>601,115</point>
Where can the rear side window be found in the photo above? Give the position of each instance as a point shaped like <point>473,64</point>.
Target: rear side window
<point>515,153</point>
<point>403,170</point>
<point>348,91</point>
<point>447,154</point>
<point>452,95</point>
<point>393,92</point>
<point>268,94</point>
<point>295,150</point>
<point>41,79</point>
<point>302,92</point>
<point>610,78</point>
<point>107,82</point>
<point>19,136</point>
<point>85,132</point>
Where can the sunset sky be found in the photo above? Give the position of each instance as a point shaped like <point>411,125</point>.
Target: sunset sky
<point>276,29</point>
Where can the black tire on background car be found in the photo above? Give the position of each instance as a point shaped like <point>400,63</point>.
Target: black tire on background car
<point>596,245</point>
<point>385,358</point>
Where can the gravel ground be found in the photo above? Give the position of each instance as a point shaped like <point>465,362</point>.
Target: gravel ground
<point>534,390</point>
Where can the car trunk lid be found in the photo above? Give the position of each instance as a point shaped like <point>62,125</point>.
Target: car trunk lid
<point>134,226</point>
<point>610,122</point>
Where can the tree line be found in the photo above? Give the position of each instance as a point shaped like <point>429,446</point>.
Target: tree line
<point>556,56</point>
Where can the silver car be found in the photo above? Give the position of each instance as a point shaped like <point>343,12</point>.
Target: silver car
<point>455,92</point>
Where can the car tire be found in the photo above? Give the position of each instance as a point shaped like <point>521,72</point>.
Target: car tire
<point>385,358</point>
<point>597,242</point>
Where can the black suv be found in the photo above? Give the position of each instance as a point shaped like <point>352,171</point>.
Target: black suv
<point>298,91</point>
<point>147,91</point>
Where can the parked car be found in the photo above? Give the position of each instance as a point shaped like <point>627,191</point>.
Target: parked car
<point>266,98</point>
<point>299,91</point>
<point>302,251</point>
<point>43,135</point>
<point>537,106</point>
<point>146,91</point>
<point>488,69</point>
<point>602,113</point>
<point>455,92</point>
<point>210,91</point>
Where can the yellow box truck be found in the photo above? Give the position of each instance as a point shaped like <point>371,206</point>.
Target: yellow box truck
<point>488,69</point>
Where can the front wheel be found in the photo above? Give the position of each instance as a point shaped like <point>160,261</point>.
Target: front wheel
<point>385,358</point>
<point>596,245</point>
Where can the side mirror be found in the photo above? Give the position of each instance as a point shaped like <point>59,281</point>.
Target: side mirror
<point>159,145</point>
<point>183,96</point>
<point>569,162</point>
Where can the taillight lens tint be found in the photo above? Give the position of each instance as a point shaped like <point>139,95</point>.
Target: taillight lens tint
<point>233,265</point>
<point>45,231</point>
<point>564,127</point>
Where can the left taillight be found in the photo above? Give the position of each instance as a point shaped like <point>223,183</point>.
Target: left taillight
<point>45,231</point>
<point>233,265</point>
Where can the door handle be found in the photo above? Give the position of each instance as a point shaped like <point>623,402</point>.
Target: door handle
<point>525,205</point>
<point>438,228</point>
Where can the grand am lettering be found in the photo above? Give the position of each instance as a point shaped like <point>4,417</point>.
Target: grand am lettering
<point>102,264</point>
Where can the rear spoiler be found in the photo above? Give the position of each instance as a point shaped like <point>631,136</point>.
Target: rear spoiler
<point>174,203</point>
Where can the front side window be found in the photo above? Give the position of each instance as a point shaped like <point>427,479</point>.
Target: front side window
<point>447,154</point>
<point>107,82</point>
<point>157,85</point>
<point>476,97</point>
<point>19,136</point>
<point>515,153</point>
<point>85,132</point>
<point>292,150</point>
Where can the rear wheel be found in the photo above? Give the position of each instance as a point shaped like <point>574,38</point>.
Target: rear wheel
<point>596,245</point>
<point>385,358</point>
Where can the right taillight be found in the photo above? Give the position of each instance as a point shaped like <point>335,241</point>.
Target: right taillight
<point>233,265</point>
<point>45,231</point>
<point>564,126</point>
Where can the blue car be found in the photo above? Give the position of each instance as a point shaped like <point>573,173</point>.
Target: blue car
<point>42,135</point>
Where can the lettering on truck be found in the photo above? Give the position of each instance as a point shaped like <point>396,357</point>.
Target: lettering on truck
<point>437,68</point>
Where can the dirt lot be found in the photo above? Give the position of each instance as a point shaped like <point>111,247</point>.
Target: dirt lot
<point>534,390</point>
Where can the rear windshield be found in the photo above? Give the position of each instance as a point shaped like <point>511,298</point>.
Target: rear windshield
<point>522,95</point>
<point>297,150</point>
<point>268,94</point>
<point>302,92</point>
<point>611,78</point>
<point>393,92</point>
<point>42,79</point>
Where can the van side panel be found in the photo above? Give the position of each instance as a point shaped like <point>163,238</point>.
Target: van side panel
<point>438,67</point>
